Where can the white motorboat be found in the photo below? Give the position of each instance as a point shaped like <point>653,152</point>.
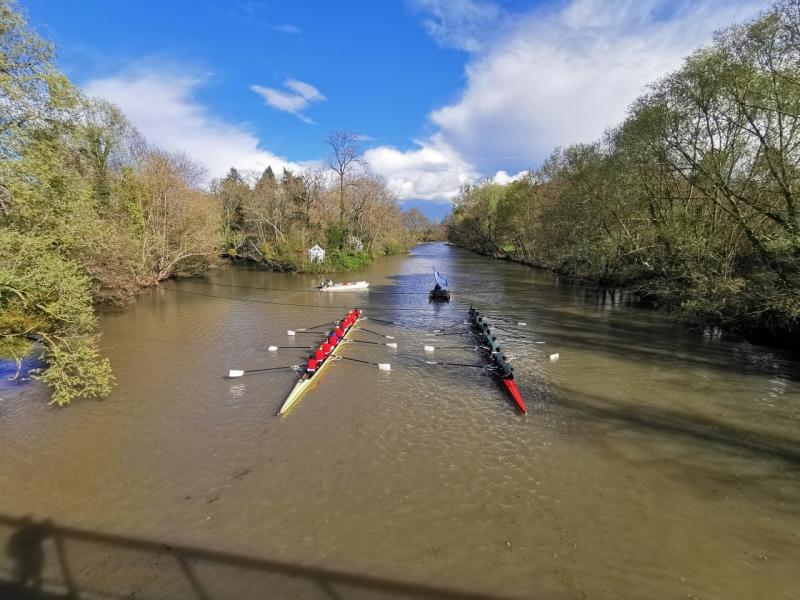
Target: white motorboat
<point>329,286</point>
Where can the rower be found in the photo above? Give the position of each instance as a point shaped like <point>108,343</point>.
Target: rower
<point>333,340</point>
<point>506,370</point>
<point>319,354</point>
<point>326,347</point>
<point>311,366</point>
<point>339,331</point>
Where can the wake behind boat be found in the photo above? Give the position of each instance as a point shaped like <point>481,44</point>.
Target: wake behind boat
<point>329,286</point>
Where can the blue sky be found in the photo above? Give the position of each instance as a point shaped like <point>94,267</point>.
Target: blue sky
<point>445,92</point>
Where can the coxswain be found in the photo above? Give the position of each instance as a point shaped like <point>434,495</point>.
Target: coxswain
<point>311,366</point>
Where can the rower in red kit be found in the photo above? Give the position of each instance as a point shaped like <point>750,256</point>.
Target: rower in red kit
<point>311,365</point>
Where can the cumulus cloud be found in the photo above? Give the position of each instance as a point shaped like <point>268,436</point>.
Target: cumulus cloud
<point>162,107</point>
<point>561,77</point>
<point>503,178</point>
<point>299,97</point>
<point>543,79</point>
<point>431,171</point>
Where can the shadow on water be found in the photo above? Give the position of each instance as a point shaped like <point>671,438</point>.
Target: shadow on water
<point>691,427</point>
<point>186,571</point>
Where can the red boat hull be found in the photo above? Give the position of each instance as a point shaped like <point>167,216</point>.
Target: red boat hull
<point>513,390</point>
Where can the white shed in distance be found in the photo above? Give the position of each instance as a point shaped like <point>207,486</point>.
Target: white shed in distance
<point>316,254</point>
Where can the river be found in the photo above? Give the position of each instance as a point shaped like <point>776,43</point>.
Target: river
<point>653,463</point>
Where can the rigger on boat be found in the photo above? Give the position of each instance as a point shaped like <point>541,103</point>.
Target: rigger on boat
<point>492,351</point>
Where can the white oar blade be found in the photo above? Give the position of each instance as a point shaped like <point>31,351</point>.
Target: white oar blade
<point>272,349</point>
<point>522,323</point>
<point>389,337</point>
<point>290,332</point>
<point>392,345</point>
<point>384,366</point>
<point>553,357</point>
<point>235,373</point>
<point>429,348</point>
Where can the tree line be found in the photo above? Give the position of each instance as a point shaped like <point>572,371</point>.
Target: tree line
<point>91,212</point>
<point>343,207</point>
<point>692,200</point>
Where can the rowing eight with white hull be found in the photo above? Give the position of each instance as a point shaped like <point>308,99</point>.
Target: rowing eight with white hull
<point>321,355</point>
<point>329,286</point>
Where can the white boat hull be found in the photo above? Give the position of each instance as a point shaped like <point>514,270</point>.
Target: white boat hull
<point>301,387</point>
<point>346,287</point>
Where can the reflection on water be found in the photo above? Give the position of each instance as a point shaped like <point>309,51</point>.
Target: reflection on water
<point>653,462</point>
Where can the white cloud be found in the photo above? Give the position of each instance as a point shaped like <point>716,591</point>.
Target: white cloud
<point>462,24</point>
<point>552,79</point>
<point>503,178</point>
<point>161,106</point>
<point>432,171</point>
<point>302,95</point>
<point>539,80</point>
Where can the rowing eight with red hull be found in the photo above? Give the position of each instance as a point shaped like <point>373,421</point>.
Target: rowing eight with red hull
<point>504,370</point>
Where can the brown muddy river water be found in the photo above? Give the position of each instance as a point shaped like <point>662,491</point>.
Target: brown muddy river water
<point>653,463</point>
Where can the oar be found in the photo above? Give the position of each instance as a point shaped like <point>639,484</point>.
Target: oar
<point>389,344</point>
<point>381,366</point>
<point>451,364</point>
<point>238,373</point>
<point>388,337</point>
<point>275,348</point>
<point>380,320</point>
<point>432,348</point>
<point>316,326</point>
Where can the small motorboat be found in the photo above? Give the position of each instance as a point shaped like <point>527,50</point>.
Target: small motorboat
<point>439,294</point>
<point>329,286</point>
